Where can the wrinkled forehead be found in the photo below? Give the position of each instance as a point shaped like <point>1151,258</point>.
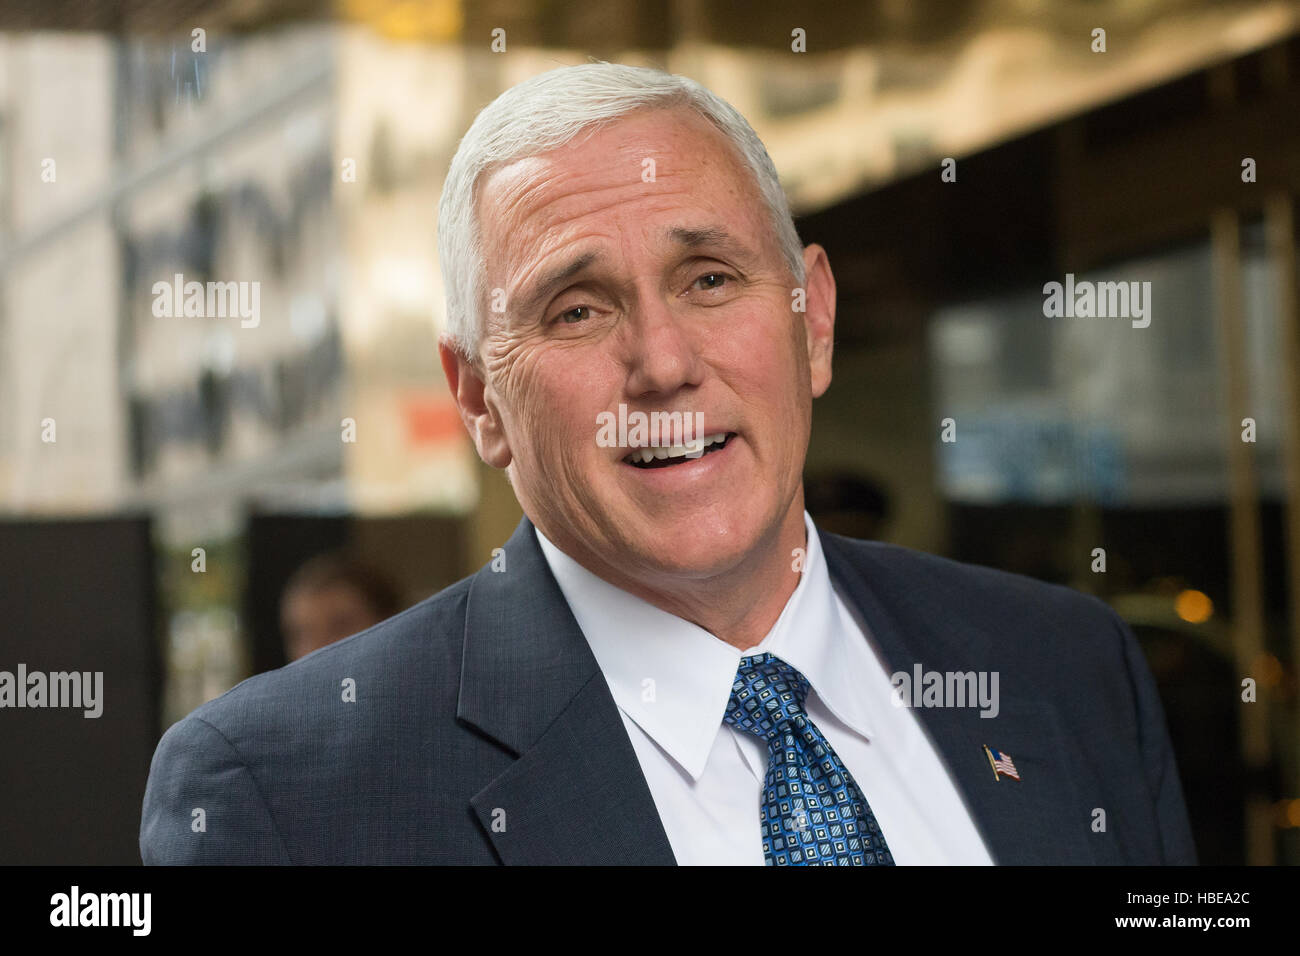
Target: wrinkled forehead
<point>623,168</point>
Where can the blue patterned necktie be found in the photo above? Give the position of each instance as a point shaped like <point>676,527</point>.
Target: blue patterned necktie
<point>812,812</point>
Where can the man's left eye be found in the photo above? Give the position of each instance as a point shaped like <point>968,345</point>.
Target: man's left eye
<point>719,277</point>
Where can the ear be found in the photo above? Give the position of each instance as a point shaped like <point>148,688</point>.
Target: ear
<point>819,316</point>
<point>470,394</point>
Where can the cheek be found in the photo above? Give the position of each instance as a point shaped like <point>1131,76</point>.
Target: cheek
<point>763,349</point>
<point>579,383</point>
<point>554,402</point>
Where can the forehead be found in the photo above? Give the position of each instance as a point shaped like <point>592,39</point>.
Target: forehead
<point>654,164</point>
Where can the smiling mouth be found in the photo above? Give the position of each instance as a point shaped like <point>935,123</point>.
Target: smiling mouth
<point>666,457</point>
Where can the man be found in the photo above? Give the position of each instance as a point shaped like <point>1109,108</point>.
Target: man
<point>667,662</point>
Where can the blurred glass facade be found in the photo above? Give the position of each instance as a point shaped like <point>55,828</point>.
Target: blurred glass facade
<point>1053,410</point>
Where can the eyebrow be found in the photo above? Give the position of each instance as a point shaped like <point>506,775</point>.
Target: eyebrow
<point>550,281</point>
<point>709,236</point>
<point>553,279</point>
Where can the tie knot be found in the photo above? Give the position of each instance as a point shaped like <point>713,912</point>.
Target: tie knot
<point>766,695</point>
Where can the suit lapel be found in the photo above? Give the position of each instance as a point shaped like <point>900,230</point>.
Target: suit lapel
<point>1038,819</point>
<point>576,793</point>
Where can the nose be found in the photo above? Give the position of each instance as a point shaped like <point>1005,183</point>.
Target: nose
<point>661,353</point>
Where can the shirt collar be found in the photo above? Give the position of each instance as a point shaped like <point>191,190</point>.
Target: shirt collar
<point>673,678</point>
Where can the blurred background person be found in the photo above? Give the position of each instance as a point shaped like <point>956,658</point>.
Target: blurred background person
<point>329,598</point>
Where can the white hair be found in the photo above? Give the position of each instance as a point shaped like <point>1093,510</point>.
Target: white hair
<point>544,113</point>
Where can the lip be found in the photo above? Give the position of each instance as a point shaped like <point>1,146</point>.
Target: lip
<point>690,472</point>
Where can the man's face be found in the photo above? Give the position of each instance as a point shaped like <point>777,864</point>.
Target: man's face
<point>668,294</point>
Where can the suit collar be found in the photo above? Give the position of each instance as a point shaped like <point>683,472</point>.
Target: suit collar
<point>530,682</point>
<point>525,658</point>
<point>632,639</point>
<point>850,570</point>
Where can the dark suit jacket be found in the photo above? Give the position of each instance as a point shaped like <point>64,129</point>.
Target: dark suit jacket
<point>482,730</point>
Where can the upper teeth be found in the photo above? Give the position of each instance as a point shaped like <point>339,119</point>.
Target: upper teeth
<point>693,450</point>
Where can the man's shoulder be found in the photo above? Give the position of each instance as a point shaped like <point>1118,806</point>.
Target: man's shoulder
<point>301,764</point>
<point>1022,618</point>
<point>908,573</point>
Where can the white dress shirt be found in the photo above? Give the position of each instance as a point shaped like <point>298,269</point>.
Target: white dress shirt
<point>672,679</point>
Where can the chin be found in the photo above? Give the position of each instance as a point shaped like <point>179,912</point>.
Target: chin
<point>696,547</point>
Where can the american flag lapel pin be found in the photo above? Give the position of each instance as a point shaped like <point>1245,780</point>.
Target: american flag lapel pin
<point>1001,764</point>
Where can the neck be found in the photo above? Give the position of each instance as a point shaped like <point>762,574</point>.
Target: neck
<point>740,605</point>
